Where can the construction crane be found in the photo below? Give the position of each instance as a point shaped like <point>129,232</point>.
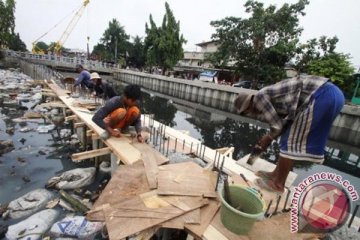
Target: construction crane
<point>70,27</point>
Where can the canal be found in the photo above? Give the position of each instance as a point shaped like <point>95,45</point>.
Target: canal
<point>218,129</point>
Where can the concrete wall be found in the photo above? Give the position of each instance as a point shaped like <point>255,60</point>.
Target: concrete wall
<point>346,127</point>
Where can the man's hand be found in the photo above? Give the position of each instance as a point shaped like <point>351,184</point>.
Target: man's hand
<point>264,142</point>
<point>140,138</point>
<point>107,120</point>
<point>115,133</point>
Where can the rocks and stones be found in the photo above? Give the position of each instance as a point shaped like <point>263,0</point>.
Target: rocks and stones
<point>29,203</point>
<point>343,233</point>
<point>25,129</point>
<point>64,133</point>
<point>105,167</point>
<point>33,115</point>
<point>6,146</point>
<point>3,230</point>
<point>21,160</point>
<point>76,227</point>
<point>33,227</point>
<point>45,128</point>
<point>10,130</point>
<point>76,178</point>
<point>26,179</point>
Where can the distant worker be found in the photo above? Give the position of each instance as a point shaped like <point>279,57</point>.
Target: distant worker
<point>120,112</point>
<point>301,110</point>
<point>102,88</point>
<point>84,77</point>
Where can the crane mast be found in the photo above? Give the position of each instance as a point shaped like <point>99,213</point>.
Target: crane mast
<point>70,27</point>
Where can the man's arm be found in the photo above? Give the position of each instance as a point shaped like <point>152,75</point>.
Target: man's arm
<point>268,113</point>
<point>104,111</point>
<point>79,79</point>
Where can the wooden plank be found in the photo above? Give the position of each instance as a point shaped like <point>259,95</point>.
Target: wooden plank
<point>147,149</point>
<point>207,213</point>
<point>131,226</point>
<point>54,104</point>
<point>185,179</point>
<point>192,217</point>
<point>70,118</point>
<point>79,124</point>
<point>90,154</point>
<point>126,182</point>
<point>151,169</point>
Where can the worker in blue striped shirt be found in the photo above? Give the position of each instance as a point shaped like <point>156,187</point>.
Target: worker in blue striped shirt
<point>301,111</point>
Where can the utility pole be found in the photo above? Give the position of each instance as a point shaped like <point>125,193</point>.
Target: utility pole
<point>115,50</point>
<point>88,52</point>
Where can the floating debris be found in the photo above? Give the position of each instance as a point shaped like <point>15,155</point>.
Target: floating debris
<point>29,203</point>
<point>6,146</point>
<point>76,178</point>
<point>33,227</point>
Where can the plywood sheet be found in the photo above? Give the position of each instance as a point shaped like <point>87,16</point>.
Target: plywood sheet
<point>185,179</point>
<point>126,182</point>
<point>146,149</point>
<point>207,213</point>
<point>132,225</point>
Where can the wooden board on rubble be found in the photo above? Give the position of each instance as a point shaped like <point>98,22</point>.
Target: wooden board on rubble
<point>191,218</point>
<point>146,149</point>
<point>126,182</point>
<point>207,213</point>
<point>185,179</point>
<point>133,224</point>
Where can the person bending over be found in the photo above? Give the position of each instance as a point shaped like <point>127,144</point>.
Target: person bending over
<point>301,110</point>
<point>102,88</point>
<point>120,112</point>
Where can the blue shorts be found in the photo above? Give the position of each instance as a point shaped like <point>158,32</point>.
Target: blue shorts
<point>306,137</point>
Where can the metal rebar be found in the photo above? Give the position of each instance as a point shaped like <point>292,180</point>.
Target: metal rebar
<point>268,208</point>
<point>353,216</point>
<point>277,205</point>
<point>286,200</point>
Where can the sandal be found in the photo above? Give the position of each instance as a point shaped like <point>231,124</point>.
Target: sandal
<point>262,183</point>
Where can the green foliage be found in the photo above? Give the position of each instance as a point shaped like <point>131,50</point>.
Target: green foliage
<point>7,21</point>
<point>318,57</point>
<point>114,42</point>
<point>40,48</point>
<point>338,68</point>
<point>262,44</point>
<point>163,45</point>
<point>17,44</point>
<point>136,56</point>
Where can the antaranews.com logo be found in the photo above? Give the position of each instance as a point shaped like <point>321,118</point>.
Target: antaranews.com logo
<point>321,203</point>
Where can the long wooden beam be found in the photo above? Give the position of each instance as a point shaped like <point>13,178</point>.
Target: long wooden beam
<point>77,157</point>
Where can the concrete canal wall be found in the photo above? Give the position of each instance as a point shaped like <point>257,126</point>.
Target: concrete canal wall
<point>346,127</point>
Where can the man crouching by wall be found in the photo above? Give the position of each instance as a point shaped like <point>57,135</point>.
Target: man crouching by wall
<point>120,112</point>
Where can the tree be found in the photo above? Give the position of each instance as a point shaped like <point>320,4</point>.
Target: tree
<point>115,41</point>
<point>136,56</point>
<point>17,44</point>
<point>318,57</point>
<point>163,45</point>
<point>7,22</point>
<point>262,44</point>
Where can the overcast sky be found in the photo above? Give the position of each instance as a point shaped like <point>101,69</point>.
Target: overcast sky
<point>36,17</point>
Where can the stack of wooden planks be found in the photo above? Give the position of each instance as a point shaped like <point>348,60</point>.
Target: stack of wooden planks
<point>184,197</point>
